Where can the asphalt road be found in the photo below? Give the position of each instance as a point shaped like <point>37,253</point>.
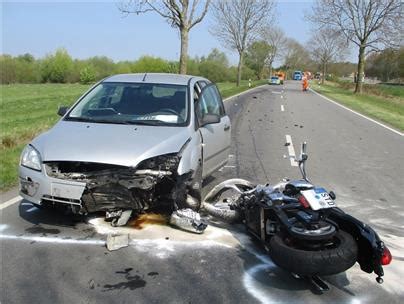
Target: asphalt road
<point>50,258</point>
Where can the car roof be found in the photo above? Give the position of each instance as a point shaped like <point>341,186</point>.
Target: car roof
<point>152,78</point>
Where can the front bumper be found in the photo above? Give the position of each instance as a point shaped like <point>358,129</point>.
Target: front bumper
<point>38,188</point>
<point>107,190</point>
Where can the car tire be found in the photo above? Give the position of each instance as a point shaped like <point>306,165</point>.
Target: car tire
<point>319,262</point>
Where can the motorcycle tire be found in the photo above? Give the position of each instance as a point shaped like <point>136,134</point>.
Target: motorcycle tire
<point>317,262</point>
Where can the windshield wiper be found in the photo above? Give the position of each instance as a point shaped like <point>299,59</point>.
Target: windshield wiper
<point>106,121</point>
<point>149,122</point>
<point>83,119</point>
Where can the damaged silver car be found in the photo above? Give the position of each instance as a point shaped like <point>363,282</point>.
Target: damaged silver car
<point>140,142</point>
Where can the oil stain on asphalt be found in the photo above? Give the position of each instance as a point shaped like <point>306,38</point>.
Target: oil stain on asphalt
<point>132,282</point>
<point>39,229</point>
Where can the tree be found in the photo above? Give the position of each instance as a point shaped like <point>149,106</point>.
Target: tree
<point>87,75</point>
<point>214,66</point>
<point>326,46</point>
<point>296,56</point>
<point>366,23</point>
<point>385,64</point>
<point>150,64</point>
<point>57,67</point>
<point>238,22</point>
<point>257,57</point>
<point>182,14</point>
<point>8,68</point>
<point>276,39</point>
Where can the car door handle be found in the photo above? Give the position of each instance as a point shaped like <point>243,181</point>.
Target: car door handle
<point>227,127</point>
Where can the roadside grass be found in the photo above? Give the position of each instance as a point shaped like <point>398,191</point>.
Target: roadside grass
<point>228,89</point>
<point>387,107</point>
<point>392,90</point>
<point>27,110</point>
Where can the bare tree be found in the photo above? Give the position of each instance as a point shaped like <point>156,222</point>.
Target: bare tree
<point>326,46</point>
<point>276,39</point>
<point>180,14</point>
<point>237,23</point>
<point>366,23</point>
<point>296,56</point>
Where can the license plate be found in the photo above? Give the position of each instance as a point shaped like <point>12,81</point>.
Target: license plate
<point>67,190</point>
<point>318,198</point>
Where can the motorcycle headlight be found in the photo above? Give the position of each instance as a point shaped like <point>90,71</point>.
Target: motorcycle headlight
<point>30,158</point>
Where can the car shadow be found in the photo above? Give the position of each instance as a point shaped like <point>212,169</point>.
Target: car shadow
<point>48,216</point>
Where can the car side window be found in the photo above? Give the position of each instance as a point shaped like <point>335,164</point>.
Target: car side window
<point>210,102</point>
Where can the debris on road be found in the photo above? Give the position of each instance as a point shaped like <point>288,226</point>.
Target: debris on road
<point>188,220</point>
<point>115,242</point>
<point>122,219</point>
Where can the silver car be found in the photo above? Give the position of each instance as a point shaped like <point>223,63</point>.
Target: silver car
<point>133,141</point>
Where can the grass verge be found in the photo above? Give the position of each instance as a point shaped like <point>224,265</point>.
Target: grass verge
<point>387,109</point>
<point>29,109</point>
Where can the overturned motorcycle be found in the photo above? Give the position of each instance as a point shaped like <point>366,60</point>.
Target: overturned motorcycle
<point>300,226</point>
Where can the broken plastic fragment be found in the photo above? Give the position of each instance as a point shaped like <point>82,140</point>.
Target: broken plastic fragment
<point>115,242</point>
<point>187,219</point>
<point>122,219</point>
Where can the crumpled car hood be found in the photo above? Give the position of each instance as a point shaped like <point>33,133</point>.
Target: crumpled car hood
<point>125,145</point>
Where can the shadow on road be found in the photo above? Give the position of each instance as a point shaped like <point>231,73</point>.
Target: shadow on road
<point>48,216</point>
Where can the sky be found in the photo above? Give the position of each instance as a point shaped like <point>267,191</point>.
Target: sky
<point>98,28</point>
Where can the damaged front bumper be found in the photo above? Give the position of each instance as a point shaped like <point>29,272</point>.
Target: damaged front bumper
<point>92,187</point>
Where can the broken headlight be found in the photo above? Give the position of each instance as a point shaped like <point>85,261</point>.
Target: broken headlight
<point>167,162</point>
<point>30,158</point>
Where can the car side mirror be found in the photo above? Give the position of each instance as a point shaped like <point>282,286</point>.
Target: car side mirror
<point>208,119</point>
<point>62,110</point>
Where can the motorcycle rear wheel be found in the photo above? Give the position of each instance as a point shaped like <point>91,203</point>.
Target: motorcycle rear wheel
<point>327,261</point>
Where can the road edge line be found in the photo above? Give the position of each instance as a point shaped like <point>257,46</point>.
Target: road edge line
<point>244,92</point>
<point>357,113</point>
<point>10,202</point>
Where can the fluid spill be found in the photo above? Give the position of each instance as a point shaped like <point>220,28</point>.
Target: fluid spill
<point>148,219</point>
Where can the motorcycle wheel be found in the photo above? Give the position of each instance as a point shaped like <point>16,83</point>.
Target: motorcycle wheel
<point>338,257</point>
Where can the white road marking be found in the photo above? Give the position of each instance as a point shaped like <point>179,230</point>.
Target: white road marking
<point>276,92</point>
<point>281,96</point>
<point>10,202</point>
<point>282,108</point>
<point>291,151</point>
<point>230,166</point>
<point>54,240</point>
<point>359,114</point>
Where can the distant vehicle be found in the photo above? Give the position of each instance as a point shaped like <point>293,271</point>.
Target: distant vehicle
<point>297,75</point>
<point>318,75</point>
<point>274,80</point>
<point>281,75</point>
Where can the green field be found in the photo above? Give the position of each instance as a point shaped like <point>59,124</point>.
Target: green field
<point>382,102</point>
<point>29,109</point>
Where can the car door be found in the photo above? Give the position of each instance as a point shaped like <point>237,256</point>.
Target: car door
<point>215,136</point>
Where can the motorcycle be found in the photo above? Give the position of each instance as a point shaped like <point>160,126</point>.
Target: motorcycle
<point>300,226</point>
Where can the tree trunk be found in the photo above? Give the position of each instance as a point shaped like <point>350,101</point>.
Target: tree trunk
<point>324,72</point>
<point>270,69</point>
<point>239,68</point>
<point>184,50</point>
<point>361,69</point>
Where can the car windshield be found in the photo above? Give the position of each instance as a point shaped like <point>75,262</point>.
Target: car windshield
<point>274,78</point>
<point>133,103</point>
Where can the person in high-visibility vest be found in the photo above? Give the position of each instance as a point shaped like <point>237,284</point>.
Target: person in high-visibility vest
<point>305,83</point>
